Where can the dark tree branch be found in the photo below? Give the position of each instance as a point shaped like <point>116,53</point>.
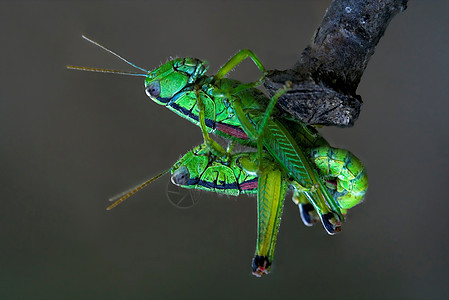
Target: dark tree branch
<point>328,72</point>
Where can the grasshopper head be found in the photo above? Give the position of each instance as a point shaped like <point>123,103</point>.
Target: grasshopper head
<point>170,78</point>
<point>164,82</point>
<point>186,172</point>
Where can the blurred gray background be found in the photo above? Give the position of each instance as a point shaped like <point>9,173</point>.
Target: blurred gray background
<point>69,140</point>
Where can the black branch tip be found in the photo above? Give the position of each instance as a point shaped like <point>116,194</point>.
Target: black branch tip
<point>328,72</point>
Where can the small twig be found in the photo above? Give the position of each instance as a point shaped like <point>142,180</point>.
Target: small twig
<point>326,76</point>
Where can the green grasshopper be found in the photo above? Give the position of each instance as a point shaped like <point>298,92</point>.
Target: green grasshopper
<point>233,175</point>
<point>240,113</point>
<point>238,173</point>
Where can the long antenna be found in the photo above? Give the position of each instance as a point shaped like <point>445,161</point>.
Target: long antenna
<point>113,53</point>
<point>125,195</point>
<point>79,68</point>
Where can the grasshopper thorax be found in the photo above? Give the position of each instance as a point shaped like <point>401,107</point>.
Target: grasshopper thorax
<point>162,84</point>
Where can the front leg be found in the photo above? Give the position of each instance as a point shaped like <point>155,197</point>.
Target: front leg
<point>212,145</point>
<point>261,126</point>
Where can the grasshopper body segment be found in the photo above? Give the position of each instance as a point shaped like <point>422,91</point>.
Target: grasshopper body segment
<point>346,170</point>
<point>200,169</point>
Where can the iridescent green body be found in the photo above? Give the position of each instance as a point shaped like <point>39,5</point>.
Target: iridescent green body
<point>200,169</point>
<point>177,85</point>
<point>288,151</point>
<point>236,174</point>
<point>237,111</point>
<point>333,163</point>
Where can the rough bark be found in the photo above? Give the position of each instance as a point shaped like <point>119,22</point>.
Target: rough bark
<point>327,74</point>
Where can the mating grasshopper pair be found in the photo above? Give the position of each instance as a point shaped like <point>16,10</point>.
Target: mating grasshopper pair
<point>326,181</point>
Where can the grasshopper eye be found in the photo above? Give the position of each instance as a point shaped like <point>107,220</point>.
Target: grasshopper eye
<point>153,90</point>
<point>180,176</point>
